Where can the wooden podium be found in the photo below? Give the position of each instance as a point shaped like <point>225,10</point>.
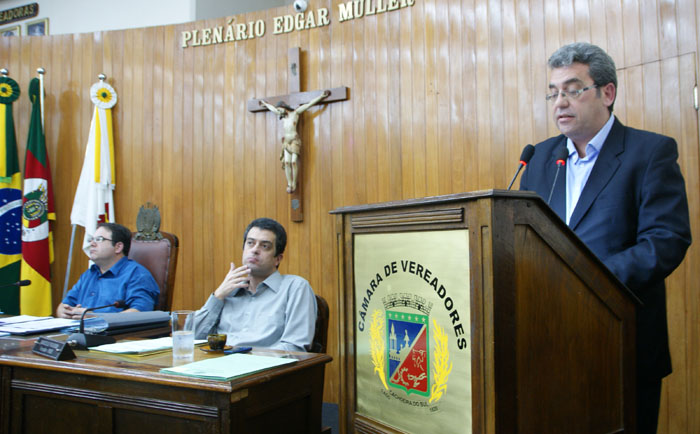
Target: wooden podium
<point>479,312</point>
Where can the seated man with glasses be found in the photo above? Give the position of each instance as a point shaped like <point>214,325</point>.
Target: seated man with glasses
<point>623,195</point>
<point>112,277</point>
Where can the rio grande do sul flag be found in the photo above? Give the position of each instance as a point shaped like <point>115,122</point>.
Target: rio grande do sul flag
<point>94,201</point>
<point>37,213</point>
<point>10,200</point>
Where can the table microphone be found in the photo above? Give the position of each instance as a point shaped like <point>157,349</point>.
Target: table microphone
<point>560,156</point>
<point>528,152</point>
<point>20,283</point>
<point>82,340</point>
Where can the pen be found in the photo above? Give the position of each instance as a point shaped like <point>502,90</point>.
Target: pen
<point>238,350</point>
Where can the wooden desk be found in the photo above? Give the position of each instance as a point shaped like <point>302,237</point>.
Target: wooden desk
<point>115,395</point>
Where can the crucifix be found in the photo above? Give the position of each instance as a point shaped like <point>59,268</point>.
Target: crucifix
<point>289,109</point>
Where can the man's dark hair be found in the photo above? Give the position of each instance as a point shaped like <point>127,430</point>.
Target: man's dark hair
<point>272,226</point>
<point>600,64</point>
<point>120,234</point>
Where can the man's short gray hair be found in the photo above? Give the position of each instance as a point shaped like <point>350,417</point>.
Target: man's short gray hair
<point>601,66</point>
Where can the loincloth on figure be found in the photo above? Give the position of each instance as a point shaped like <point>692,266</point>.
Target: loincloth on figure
<point>293,147</point>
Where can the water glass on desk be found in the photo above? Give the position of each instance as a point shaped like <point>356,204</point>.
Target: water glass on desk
<point>183,334</point>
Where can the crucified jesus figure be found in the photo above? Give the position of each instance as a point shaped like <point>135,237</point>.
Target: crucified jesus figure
<point>291,142</point>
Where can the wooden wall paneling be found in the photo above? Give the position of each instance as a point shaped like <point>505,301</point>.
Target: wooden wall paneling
<point>138,170</point>
<point>524,90</point>
<point>201,157</point>
<point>450,45</point>
<point>567,23</point>
<point>539,107</point>
<point>375,168</point>
<point>406,108</point>
<point>160,170</point>
<point>497,30</point>
<point>468,134</point>
<point>385,164</point>
<point>674,390</point>
<point>360,102</point>
<point>441,151</point>
<point>394,103</point>
<point>483,121</point>
<point>417,104</point>
<point>689,160</point>
<point>216,196</point>
<point>614,24</point>
<point>631,25</point>
<point>649,34</point>
<point>668,36</point>
<point>687,16</point>
<point>651,83</point>
<point>510,98</point>
<point>187,252</point>
<point>582,21</point>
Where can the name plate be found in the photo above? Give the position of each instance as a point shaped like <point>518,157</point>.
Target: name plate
<point>56,350</point>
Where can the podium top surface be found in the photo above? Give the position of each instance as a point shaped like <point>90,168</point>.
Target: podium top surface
<point>473,195</point>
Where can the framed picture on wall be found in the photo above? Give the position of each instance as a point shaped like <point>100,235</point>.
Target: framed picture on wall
<point>11,31</point>
<point>38,27</point>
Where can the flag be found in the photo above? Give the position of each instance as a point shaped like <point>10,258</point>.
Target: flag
<point>93,201</point>
<point>37,213</point>
<point>10,200</point>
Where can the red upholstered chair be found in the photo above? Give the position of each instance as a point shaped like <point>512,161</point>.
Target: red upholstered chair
<point>160,258</point>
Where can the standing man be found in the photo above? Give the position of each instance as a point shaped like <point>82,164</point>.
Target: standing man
<point>112,277</point>
<point>291,142</point>
<point>256,305</point>
<point>623,195</point>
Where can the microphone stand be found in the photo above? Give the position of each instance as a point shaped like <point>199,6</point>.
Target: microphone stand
<point>82,340</point>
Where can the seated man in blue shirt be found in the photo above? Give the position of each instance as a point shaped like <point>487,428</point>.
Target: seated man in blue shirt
<point>112,277</point>
<point>256,305</point>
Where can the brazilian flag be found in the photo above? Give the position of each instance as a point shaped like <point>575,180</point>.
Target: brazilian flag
<point>10,201</point>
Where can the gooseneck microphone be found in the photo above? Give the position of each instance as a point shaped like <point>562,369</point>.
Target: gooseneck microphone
<point>560,156</point>
<point>82,340</point>
<point>25,282</point>
<point>525,156</point>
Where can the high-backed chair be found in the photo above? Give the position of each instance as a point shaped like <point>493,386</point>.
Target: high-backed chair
<point>320,341</point>
<point>160,258</point>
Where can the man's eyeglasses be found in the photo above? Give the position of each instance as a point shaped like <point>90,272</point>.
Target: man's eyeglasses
<point>97,239</point>
<point>573,94</point>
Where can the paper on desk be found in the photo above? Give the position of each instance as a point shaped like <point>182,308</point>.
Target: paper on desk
<point>140,346</point>
<point>227,367</point>
<point>38,326</point>
<point>21,318</point>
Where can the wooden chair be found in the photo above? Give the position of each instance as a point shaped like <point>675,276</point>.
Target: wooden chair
<point>160,258</point>
<point>320,341</point>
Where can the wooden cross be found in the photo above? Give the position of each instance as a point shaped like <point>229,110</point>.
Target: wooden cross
<point>295,98</point>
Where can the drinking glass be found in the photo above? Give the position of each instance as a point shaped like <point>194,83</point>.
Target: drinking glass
<point>183,334</point>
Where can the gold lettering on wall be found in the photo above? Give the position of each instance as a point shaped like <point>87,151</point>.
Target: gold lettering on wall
<point>289,23</point>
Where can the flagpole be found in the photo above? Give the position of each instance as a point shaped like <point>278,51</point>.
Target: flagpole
<point>41,72</point>
<point>70,260</point>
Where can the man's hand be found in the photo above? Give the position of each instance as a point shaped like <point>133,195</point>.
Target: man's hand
<point>326,93</point>
<point>70,312</point>
<point>235,279</point>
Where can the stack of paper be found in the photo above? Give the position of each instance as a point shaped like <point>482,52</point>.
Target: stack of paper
<point>227,367</point>
<point>142,347</point>
<point>26,324</point>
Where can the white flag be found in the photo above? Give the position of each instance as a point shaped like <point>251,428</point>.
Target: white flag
<point>93,199</point>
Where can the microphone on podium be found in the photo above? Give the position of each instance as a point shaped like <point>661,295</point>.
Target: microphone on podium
<point>25,282</point>
<point>525,156</point>
<point>560,156</point>
<point>82,340</point>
